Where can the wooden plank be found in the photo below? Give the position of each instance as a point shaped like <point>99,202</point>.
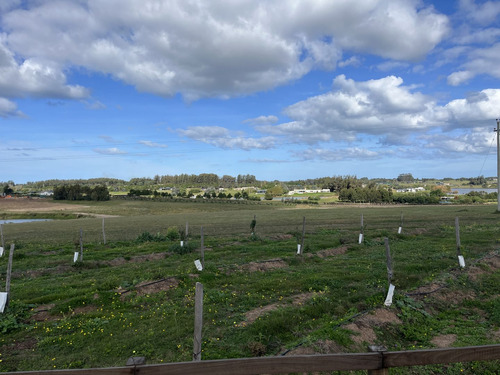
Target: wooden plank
<point>271,365</point>
<point>97,371</point>
<point>441,356</point>
<point>240,366</point>
<point>293,364</point>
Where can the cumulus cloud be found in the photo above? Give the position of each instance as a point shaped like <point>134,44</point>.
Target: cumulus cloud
<point>204,48</point>
<point>34,77</point>
<point>8,108</point>
<point>481,61</point>
<point>374,107</point>
<point>473,141</point>
<point>223,138</point>
<point>388,113</point>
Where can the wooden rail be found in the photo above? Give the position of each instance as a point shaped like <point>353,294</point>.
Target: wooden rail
<point>373,362</point>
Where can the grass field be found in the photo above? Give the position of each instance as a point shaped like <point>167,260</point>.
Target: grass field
<point>131,297</point>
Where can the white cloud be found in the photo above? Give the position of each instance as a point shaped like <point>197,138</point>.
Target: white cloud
<point>473,141</point>
<point>205,48</point>
<point>110,151</point>
<point>262,120</point>
<point>484,14</point>
<point>387,112</point>
<point>338,154</point>
<point>481,61</point>
<point>374,107</point>
<point>222,137</point>
<point>152,144</point>
<point>8,108</point>
<point>33,77</point>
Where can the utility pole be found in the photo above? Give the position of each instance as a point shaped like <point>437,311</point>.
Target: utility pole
<point>498,164</point>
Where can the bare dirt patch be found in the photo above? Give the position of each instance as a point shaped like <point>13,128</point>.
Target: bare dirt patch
<point>252,315</point>
<point>265,265</point>
<point>487,265</point>
<point>28,205</point>
<point>150,287</point>
<point>444,341</point>
<point>41,313</point>
<point>329,252</point>
<point>363,327</point>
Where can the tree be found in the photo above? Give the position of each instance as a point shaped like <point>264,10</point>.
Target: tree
<point>7,190</point>
<point>405,177</point>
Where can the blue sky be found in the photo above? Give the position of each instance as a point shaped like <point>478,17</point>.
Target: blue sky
<point>281,89</point>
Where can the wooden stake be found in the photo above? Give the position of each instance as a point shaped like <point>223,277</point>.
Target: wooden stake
<point>186,235</point>
<point>202,249</point>
<point>388,260</point>
<point>361,234</point>
<point>9,272</point>
<point>457,235</point>
<point>81,245</point>
<point>461,261</point>
<point>303,235</point>
<point>103,233</point>
<point>198,321</point>
<point>1,235</point>
<point>401,225</point>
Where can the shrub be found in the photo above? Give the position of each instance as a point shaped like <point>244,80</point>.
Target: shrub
<point>173,234</point>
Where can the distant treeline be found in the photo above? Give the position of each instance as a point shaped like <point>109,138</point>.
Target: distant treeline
<point>207,180</point>
<point>373,194</point>
<point>79,193</point>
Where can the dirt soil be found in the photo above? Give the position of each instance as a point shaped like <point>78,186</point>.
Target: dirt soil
<point>35,205</point>
<point>363,326</point>
<point>252,315</point>
<point>266,265</point>
<point>27,205</point>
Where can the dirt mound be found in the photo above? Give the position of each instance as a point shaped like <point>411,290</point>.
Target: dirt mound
<point>487,265</point>
<point>252,315</point>
<point>363,327</point>
<point>444,341</point>
<point>329,252</point>
<point>150,287</point>
<point>265,265</point>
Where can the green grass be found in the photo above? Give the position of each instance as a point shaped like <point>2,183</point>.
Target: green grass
<point>97,315</point>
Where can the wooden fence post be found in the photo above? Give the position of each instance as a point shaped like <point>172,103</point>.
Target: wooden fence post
<point>361,233</point>
<point>9,273</point>
<point>186,234</point>
<point>461,261</point>
<point>103,233</point>
<point>2,244</point>
<point>388,260</point>
<point>380,350</point>
<point>388,300</point>
<point>198,321</point>
<point>303,235</point>
<point>202,249</point>
<point>81,245</point>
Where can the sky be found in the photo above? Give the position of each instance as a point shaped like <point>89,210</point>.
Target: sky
<point>279,89</point>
